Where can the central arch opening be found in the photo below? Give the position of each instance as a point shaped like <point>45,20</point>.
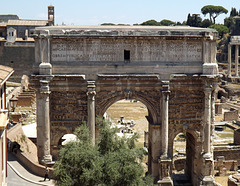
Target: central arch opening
<point>129,116</point>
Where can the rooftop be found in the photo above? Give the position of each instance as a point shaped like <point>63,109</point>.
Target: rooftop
<point>5,73</point>
<point>25,22</point>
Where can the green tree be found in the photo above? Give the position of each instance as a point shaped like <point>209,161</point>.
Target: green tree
<point>112,161</point>
<point>194,20</point>
<point>79,163</point>
<point>233,12</point>
<point>166,22</point>
<point>205,23</point>
<point>221,29</point>
<point>110,24</point>
<point>228,22</point>
<point>151,22</point>
<point>213,11</point>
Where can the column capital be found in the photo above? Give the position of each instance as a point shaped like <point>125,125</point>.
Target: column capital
<point>91,95</point>
<point>91,90</point>
<point>165,87</point>
<point>208,89</point>
<point>91,84</point>
<point>44,87</point>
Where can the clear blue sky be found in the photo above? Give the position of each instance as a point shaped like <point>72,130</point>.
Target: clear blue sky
<point>95,12</point>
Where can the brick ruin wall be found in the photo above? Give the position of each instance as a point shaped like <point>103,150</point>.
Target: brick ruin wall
<point>237,136</point>
<point>229,153</point>
<point>21,59</point>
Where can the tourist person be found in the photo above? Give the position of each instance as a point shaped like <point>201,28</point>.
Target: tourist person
<point>46,174</point>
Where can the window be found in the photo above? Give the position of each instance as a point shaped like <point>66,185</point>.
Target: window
<point>126,55</point>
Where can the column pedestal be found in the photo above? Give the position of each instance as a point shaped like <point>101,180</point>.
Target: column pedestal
<point>165,166</point>
<point>208,181</point>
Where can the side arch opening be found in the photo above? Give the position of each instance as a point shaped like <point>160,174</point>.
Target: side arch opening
<point>183,158</point>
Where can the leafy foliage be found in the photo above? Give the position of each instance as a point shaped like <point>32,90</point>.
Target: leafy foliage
<point>228,21</point>
<point>221,29</point>
<point>166,22</point>
<point>194,20</point>
<point>108,24</point>
<point>205,23</point>
<point>213,11</point>
<point>112,161</point>
<point>151,22</point>
<point>233,12</point>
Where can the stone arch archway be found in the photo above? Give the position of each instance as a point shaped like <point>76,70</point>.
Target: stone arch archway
<point>105,104</point>
<point>172,70</point>
<point>56,137</point>
<point>189,161</point>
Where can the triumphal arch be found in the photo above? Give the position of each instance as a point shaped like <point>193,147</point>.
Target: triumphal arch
<point>80,71</point>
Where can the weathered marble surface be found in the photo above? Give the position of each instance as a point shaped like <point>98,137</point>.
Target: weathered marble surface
<point>168,71</point>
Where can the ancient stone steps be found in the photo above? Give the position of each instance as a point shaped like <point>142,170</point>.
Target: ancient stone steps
<point>26,98</point>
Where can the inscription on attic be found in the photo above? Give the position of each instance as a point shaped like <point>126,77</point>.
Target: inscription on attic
<point>154,50</point>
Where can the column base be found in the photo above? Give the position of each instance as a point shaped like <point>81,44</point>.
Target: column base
<point>164,171</point>
<point>167,181</point>
<point>207,156</point>
<point>208,181</point>
<point>47,160</point>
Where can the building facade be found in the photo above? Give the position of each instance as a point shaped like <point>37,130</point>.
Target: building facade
<point>5,73</point>
<point>16,43</point>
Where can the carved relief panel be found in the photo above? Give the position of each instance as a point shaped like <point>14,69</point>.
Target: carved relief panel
<point>68,108</point>
<point>186,104</point>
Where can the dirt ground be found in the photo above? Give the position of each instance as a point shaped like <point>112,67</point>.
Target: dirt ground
<point>135,111</point>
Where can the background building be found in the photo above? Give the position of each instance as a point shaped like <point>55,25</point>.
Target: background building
<point>5,73</point>
<point>16,43</point>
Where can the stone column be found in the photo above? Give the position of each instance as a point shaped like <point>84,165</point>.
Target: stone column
<point>229,60</point>
<point>91,108</point>
<point>236,59</point>
<point>208,163</point>
<point>43,123</point>
<point>164,136</point>
<point>207,122</point>
<point>165,161</point>
<point>213,98</point>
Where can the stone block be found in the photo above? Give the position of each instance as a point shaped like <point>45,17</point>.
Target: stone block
<point>218,108</point>
<point>231,115</point>
<point>210,68</point>
<point>16,117</point>
<point>237,136</point>
<point>45,69</point>
<point>25,101</point>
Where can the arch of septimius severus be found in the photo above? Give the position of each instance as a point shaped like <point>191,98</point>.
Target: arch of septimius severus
<point>79,72</point>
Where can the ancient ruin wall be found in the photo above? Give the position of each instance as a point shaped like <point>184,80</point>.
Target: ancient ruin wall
<point>20,59</point>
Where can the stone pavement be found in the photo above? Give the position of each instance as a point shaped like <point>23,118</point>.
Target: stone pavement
<point>22,172</point>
